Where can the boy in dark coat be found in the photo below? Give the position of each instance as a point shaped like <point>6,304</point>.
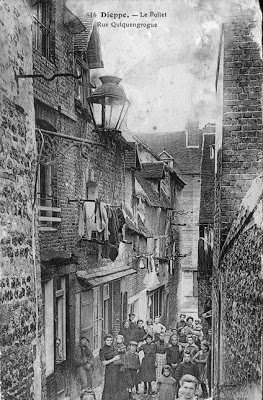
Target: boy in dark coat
<point>174,354</point>
<point>132,365</point>
<point>187,367</point>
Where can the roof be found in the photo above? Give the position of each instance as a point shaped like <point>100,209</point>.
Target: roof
<point>72,22</point>
<point>167,155</point>
<point>89,41</point>
<point>152,197</point>
<point>207,182</point>
<point>153,170</point>
<point>99,276</point>
<point>187,160</point>
<point>131,157</point>
<point>140,229</point>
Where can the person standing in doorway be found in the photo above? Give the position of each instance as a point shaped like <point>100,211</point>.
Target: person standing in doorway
<point>84,361</point>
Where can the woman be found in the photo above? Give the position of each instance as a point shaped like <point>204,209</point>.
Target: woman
<point>128,333</point>
<point>148,373</point>
<point>115,387</point>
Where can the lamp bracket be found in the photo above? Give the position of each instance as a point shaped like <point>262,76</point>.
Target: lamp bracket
<point>52,146</point>
<point>19,76</point>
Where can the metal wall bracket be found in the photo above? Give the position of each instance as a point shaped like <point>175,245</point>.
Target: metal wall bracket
<point>53,146</point>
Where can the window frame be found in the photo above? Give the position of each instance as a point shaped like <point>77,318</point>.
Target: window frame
<point>82,68</point>
<point>61,319</point>
<point>42,22</point>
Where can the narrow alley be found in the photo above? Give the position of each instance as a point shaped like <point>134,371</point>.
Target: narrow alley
<point>131,200</point>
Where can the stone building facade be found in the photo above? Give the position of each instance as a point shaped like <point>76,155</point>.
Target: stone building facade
<point>184,155</point>
<point>20,290</point>
<point>237,279</point>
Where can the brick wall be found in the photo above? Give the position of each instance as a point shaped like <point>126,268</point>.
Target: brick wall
<point>242,113</point>
<point>21,321</point>
<point>239,160</point>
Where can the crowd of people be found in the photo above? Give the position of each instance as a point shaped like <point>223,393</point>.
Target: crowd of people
<point>143,354</point>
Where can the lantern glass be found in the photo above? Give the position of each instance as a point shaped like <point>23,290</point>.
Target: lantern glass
<point>108,105</point>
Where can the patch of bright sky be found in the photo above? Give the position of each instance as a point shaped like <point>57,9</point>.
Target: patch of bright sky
<point>168,72</point>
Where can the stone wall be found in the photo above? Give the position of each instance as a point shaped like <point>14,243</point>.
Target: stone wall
<point>239,160</point>
<point>20,289</point>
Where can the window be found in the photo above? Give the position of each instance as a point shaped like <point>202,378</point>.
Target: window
<point>83,86</point>
<point>106,309</point>
<point>124,306</point>
<point>97,318</point>
<point>156,303</point>
<point>212,152</point>
<point>49,325</point>
<point>49,212</point>
<point>41,27</point>
<point>60,319</point>
<point>86,316</point>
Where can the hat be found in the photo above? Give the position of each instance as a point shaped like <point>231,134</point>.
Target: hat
<point>182,315</point>
<point>133,343</point>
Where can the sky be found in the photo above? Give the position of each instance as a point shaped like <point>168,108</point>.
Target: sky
<point>168,71</point>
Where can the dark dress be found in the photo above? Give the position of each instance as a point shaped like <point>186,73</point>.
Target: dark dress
<point>148,372</point>
<point>140,334</point>
<point>115,387</point>
<point>128,334</point>
<point>174,356</point>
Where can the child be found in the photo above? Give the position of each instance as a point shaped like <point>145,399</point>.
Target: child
<point>191,346</point>
<point>87,394</point>
<point>161,349</point>
<point>149,327</point>
<point>120,349</point>
<point>174,354</point>
<point>166,385</point>
<point>148,364</point>
<point>173,334</point>
<point>186,367</point>
<point>201,359</point>
<point>198,330</point>
<point>132,365</point>
<point>157,328</point>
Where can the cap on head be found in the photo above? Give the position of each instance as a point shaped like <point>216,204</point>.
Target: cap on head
<point>133,343</point>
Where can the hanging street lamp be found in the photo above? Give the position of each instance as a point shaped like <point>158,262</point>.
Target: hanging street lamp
<point>108,105</point>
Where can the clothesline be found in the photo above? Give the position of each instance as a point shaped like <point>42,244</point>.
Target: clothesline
<point>81,201</point>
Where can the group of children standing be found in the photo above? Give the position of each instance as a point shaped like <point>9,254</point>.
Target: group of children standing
<point>151,358</point>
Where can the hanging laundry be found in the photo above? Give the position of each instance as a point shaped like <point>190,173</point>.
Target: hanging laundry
<point>81,226</point>
<point>102,220</point>
<point>113,227</point>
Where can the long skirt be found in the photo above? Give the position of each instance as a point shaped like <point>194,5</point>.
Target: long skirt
<point>161,361</point>
<point>115,386</point>
<point>148,369</point>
